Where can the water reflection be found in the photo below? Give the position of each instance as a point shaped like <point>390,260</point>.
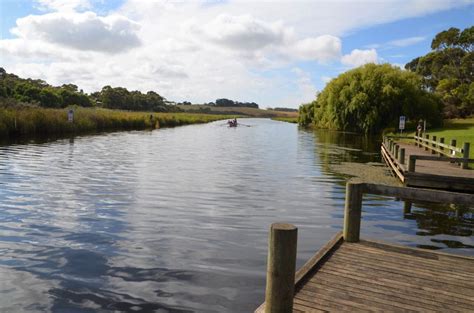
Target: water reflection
<point>176,220</point>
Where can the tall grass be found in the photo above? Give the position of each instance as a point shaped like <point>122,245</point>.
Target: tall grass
<point>32,121</point>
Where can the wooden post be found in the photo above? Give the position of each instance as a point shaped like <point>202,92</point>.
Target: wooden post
<point>407,207</point>
<point>452,153</point>
<point>411,163</point>
<point>401,156</point>
<point>281,268</point>
<point>465,155</point>
<point>441,140</point>
<point>353,211</point>
<point>426,145</point>
<point>397,147</point>
<point>433,145</point>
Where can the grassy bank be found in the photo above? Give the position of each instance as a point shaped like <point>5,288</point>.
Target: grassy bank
<point>460,129</point>
<point>41,121</point>
<point>286,119</point>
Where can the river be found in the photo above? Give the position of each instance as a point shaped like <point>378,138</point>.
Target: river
<point>176,220</point>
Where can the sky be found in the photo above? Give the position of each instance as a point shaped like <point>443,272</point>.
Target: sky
<point>275,53</point>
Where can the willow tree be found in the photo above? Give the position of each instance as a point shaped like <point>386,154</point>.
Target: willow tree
<point>372,97</point>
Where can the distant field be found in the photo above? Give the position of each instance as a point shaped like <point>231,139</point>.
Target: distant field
<point>237,110</point>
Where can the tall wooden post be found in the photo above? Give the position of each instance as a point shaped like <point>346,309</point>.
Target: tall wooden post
<point>353,211</point>
<point>411,163</point>
<point>427,143</point>
<point>401,156</point>
<point>465,155</point>
<point>441,140</point>
<point>281,268</point>
<point>397,148</point>
<point>433,145</point>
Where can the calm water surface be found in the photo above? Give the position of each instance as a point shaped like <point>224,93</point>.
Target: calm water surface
<point>176,220</point>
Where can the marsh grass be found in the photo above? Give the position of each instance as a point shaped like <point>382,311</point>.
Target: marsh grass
<point>41,121</point>
<point>286,119</point>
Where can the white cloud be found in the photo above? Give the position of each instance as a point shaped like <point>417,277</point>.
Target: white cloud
<point>322,48</point>
<point>63,5</point>
<point>406,41</point>
<point>186,50</point>
<point>360,57</point>
<point>244,32</point>
<point>83,31</point>
<point>403,42</point>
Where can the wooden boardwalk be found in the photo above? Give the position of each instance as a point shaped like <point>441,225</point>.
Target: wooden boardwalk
<point>434,167</point>
<point>377,277</point>
<point>431,170</point>
<point>350,274</point>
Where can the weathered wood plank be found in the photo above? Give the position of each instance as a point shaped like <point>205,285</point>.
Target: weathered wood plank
<point>330,246</point>
<point>395,269</point>
<point>409,264</point>
<point>405,296</point>
<point>390,277</point>
<point>402,288</point>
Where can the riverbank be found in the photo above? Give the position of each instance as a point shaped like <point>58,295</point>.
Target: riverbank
<point>33,121</point>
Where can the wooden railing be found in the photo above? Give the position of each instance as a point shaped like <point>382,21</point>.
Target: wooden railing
<point>441,148</point>
<point>438,147</point>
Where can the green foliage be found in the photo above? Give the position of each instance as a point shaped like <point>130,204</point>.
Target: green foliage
<point>448,70</point>
<point>370,98</point>
<point>29,121</point>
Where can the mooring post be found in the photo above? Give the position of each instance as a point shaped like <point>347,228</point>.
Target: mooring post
<point>281,264</point>
<point>465,155</point>
<point>441,141</point>
<point>427,143</point>
<point>401,156</point>
<point>411,163</point>
<point>397,147</point>
<point>433,151</point>
<point>353,211</point>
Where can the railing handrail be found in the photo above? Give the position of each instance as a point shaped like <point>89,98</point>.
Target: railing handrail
<point>439,144</point>
<point>356,191</point>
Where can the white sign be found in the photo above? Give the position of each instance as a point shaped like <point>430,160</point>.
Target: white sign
<point>401,125</point>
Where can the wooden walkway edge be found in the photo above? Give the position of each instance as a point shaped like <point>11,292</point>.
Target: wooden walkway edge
<point>357,275</point>
<point>418,168</point>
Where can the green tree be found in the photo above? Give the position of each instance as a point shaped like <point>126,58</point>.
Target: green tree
<point>370,98</point>
<point>448,70</point>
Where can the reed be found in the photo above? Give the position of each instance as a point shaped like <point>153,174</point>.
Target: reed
<point>34,121</point>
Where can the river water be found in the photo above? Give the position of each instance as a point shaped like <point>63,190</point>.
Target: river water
<point>176,220</point>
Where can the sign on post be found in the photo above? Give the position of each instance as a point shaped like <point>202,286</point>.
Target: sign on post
<point>70,116</point>
<point>401,124</point>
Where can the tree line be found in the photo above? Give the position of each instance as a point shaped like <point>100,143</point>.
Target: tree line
<point>15,91</point>
<point>372,97</point>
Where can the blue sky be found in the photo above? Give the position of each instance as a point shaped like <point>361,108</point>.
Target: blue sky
<point>274,53</point>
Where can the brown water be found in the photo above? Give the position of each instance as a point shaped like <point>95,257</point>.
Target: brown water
<point>176,220</point>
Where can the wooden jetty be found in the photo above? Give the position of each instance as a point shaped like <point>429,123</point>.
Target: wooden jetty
<point>430,164</point>
<point>352,274</point>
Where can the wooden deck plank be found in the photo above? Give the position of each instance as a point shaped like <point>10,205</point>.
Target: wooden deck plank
<point>413,297</point>
<point>441,267</point>
<point>415,271</point>
<point>372,276</point>
<point>435,174</point>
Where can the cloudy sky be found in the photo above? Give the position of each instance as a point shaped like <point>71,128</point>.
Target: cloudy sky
<point>276,53</point>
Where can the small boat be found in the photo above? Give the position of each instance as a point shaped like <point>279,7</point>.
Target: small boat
<point>232,123</point>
